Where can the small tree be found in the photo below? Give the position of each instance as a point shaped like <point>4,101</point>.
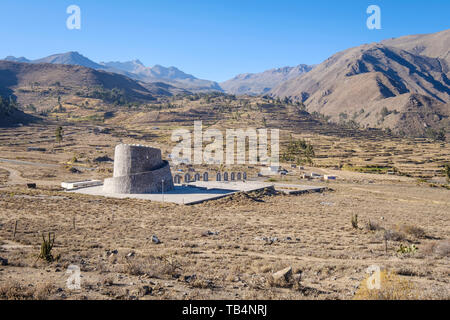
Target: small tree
<point>447,171</point>
<point>355,221</point>
<point>59,134</point>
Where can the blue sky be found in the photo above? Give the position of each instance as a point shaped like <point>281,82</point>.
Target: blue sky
<point>213,39</point>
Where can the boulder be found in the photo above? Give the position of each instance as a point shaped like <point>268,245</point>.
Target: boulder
<point>285,274</point>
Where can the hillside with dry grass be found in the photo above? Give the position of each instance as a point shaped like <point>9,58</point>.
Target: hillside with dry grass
<point>381,85</point>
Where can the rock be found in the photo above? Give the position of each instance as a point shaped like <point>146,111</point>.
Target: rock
<point>285,274</point>
<point>3,261</point>
<point>145,290</point>
<point>209,233</point>
<point>155,240</point>
<point>131,254</point>
<point>188,279</point>
<point>297,277</point>
<point>103,159</point>
<point>261,239</point>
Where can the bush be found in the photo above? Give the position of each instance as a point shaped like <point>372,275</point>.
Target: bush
<point>15,291</point>
<point>392,287</point>
<point>447,171</point>
<point>440,248</point>
<point>413,231</point>
<point>373,226</point>
<point>46,247</point>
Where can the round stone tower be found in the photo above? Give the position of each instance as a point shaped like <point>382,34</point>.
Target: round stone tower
<point>139,169</point>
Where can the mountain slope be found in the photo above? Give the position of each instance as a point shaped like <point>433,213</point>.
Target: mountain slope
<point>158,73</point>
<point>11,116</point>
<point>71,58</point>
<point>39,83</point>
<point>132,69</point>
<point>359,83</point>
<point>14,59</point>
<point>261,83</point>
<point>435,45</point>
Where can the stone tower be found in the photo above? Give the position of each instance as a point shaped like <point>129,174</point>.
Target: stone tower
<point>139,169</point>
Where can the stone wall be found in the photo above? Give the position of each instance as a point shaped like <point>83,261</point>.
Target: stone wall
<point>139,169</point>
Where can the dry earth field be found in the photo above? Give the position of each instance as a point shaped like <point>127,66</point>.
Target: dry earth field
<point>111,239</point>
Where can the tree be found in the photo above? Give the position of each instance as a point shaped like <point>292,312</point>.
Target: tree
<point>59,134</point>
<point>298,150</point>
<point>447,170</point>
<point>435,135</point>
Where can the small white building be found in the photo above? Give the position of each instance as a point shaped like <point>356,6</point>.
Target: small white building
<point>81,184</point>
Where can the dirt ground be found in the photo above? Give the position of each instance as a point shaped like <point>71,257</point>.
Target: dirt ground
<point>225,249</point>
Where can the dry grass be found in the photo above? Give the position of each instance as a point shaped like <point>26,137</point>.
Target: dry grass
<point>392,288</point>
<point>414,231</point>
<point>13,290</point>
<point>234,264</point>
<point>440,248</point>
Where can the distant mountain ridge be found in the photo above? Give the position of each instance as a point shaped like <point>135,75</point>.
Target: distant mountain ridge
<point>133,69</point>
<point>397,83</point>
<point>262,83</point>
<point>41,84</point>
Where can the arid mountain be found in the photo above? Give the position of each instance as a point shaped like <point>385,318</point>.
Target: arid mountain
<point>71,58</point>
<point>132,69</point>
<point>38,83</point>
<point>14,59</point>
<point>261,83</point>
<point>173,76</point>
<point>435,45</point>
<point>369,83</point>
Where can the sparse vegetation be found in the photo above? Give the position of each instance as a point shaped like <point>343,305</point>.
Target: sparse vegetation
<point>299,151</point>
<point>7,106</point>
<point>392,287</point>
<point>46,247</point>
<point>447,171</point>
<point>355,221</point>
<point>315,225</point>
<point>59,134</point>
<point>373,226</point>
<point>436,135</point>
<point>404,249</point>
<point>414,231</point>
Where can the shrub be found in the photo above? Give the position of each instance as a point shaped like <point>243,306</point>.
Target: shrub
<point>447,171</point>
<point>155,267</point>
<point>393,235</point>
<point>355,221</point>
<point>440,248</point>
<point>15,291</point>
<point>403,249</point>
<point>373,226</point>
<point>46,247</point>
<point>413,231</point>
<point>392,287</point>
